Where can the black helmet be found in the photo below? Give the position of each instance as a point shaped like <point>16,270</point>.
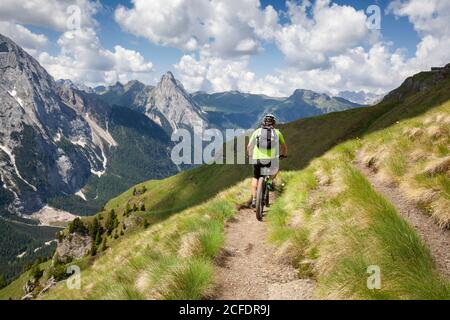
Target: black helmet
<point>269,120</point>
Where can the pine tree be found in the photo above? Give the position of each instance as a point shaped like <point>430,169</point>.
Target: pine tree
<point>104,245</point>
<point>111,222</point>
<point>143,207</point>
<point>93,249</point>
<point>134,191</point>
<point>3,282</point>
<point>135,208</point>
<point>146,224</point>
<point>98,238</point>
<point>93,228</point>
<point>127,210</point>
<point>77,226</point>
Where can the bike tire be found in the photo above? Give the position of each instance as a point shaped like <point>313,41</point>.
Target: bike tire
<point>266,198</point>
<point>260,199</point>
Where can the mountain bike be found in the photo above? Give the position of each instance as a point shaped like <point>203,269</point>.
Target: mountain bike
<point>262,192</point>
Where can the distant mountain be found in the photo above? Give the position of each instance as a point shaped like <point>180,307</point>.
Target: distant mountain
<point>243,110</point>
<point>233,108</point>
<point>306,103</point>
<point>133,94</point>
<point>69,84</point>
<point>168,103</point>
<point>361,97</point>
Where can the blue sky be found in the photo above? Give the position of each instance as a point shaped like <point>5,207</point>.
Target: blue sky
<point>398,30</point>
<point>270,48</point>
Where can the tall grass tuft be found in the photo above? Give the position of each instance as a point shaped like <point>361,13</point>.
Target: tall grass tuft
<point>189,281</point>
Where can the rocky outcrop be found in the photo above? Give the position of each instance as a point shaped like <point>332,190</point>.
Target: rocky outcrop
<point>48,285</point>
<point>420,82</point>
<point>73,247</point>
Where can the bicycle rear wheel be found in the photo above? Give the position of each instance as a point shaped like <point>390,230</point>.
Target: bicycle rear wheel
<point>260,199</point>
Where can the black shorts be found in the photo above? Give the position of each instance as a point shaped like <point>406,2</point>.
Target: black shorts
<point>257,168</point>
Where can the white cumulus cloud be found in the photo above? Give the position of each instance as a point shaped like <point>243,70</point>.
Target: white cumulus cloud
<point>227,27</point>
<point>83,59</point>
<point>31,42</point>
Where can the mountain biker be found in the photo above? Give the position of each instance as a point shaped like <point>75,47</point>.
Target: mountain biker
<point>266,144</point>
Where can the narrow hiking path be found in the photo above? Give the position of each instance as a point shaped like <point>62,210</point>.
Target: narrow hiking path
<point>249,267</point>
<point>436,238</point>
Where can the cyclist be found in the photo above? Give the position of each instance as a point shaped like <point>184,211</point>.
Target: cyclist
<point>266,144</point>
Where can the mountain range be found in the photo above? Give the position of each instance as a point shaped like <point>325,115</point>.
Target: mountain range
<point>361,97</point>
<point>61,143</point>
<point>67,148</point>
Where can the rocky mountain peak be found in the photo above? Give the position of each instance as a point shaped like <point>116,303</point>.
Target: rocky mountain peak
<point>168,77</point>
<point>307,94</point>
<point>172,107</point>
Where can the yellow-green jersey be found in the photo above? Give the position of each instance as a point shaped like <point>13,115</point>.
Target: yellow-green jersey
<point>264,154</point>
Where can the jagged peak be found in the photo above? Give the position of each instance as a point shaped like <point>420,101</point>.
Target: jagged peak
<point>169,81</point>
<point>7,41</point>
<point>133,84</point>
<point>168,75</point>
<point>306,93</point>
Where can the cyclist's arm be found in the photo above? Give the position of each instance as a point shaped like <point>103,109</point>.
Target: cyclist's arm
<point>284,149</point>
<point>251,144</point>
<point>283,145</point>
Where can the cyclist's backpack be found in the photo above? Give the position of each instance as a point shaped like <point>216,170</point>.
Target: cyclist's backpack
<point>266,138</point>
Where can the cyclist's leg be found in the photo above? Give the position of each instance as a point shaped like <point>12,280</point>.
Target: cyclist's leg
<point>256,175</point>
<point>273,176</point>
<point>254,186</point>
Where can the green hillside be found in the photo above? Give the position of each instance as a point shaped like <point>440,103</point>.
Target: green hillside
<point>177,230</point>
<point>18,238</point>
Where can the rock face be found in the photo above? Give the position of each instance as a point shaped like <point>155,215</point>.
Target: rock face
<point>172,107</point>
<point>52,136</point>
<point>73,247</point>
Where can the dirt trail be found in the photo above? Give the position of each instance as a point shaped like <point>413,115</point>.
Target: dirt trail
<point>436,238</point>
<point>249,267</point>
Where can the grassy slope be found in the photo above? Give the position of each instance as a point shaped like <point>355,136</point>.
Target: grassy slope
<point>334,225</point>
<point>169,260</point>
<point>308,138</point>
<point>14,290</point>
